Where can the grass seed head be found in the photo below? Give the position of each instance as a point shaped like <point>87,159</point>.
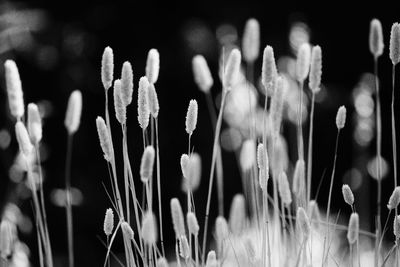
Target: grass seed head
<point>251,40</point>
<point>149,228</point>
<point>184,250</point>
<point>284,189</point>
<point>126,83</point>
<point>153,65</point>
<point>193,173</point>
<point>396,226</point>
<point>191,117</point>
<point>248,155</point>
<point>303,62</point>
<point>24,142</point>
<point>394,199</point>
<point>147,164</point>
<point>315,69</point>
<point>34,123</point>
<point>211,259</point>
<point>353,229</point>
<point>104,137</point>
<point>313,213</point>
<point>192,223</point>
<point>232,69</point>
<point>153,101</point>
<point>162,262</point>
<point>347,195</point>
<point>107,68</point>
<point>185,165</point>
<point>119,106</point>
<point>376,38</point>
<point>108,222</point>
<point>143,103</point>
<point>177,218</point>
<point>221,229</point>
<point>394,48</point>
<point>276,108</point>
<point>237,214</point>
<point>299,178</point>
<point>74,111</point>
<point>8,238</point>
<point>14,89</point>
<point>260,156</point>
<point>303,222</point>
<point>341,117</point>
<point>127,231</point>
<point>269,71</point>
<point>202,74</point>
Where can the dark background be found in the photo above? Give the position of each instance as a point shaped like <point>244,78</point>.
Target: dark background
<point>65,54</point>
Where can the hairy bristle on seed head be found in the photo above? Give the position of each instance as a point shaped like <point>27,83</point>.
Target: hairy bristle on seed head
<point>396,226</point>
<point>347,194</point>
<point>202,74</point>
<point>119,106</point>
<point>107,68</point>
<point>260,156</point>
<point>24,142</point>
<point>185,165</point>
<point>251,40</point>
<point>211,259</point>
<point>193,225</point>
<point>104,137</point>
<point>269,71</point>
<point>394,199</point>
<point>14,89</point>
<point>315,69</point>
<point>303,221</point>
<point>376,38</point>
<point>221,228</point>
<point>147,163</point>
<point>126,83</point>
<point>154,106</point>
<point>248,155</point>
<point>177,218</point>
<point>162,262</point>
<point>143,105</point>
<point>153,65</point>
<point>394,48</point>
<point>303,62</point>
<point>193,173</point>
<point>284,189</point>
<point>184,250</point>
<point>237,214</point>
<point>34,123</point>
<point>191,117</point>
<point>74,111</point>
<point>149,228</point>
<point>232,69</point>
<point>127,231</point>
<point>341,117</point>
<point>298,178</point>
<point>353,229</point>
<point>108,222</point>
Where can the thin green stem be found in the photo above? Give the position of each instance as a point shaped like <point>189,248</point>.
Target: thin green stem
<point>394,143</point>
<point>310,148</point>
<point>68,206</point>
<point>300,143</point>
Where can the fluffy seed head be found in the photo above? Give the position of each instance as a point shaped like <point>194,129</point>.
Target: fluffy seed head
<point>353,229</point>
<point>184,250</point>
<point>202,74</point>
<point>177,218</point>
<point>147,163</point>
<point>394,199</point>
<point>260,156</point>
<point>8,237</point>
<point>221,229</point>
<point>394,48</point>
<point>74,111</point>
<point>153,65</point>
<point>191,117</point>
<point>314,213</point>
<point>127,230</point>
<point>302,221</point>
<point>104,137</point>
<point>185,165</point>
<point>126,83</point>
<point>193,173</point>
<point>149,228</point>
<point>232,69</point>
<point>248,155</point>
<point>341,117</point>
<point>298,178</point>
<point>276,108</point>
<point>376,38</point>
<point>347,194</point>
<point>269,72</point>
<point>162,262</point>
<point>34,123</point>
<point>211,259</point>
<point>303,62</point>
<point>108,222</point>
<point>284,189</point>
<point>143,103</point>
<point>396,226</point>
<point>251,40</point>
<point>24,142</point>
<point>119,106</point>
<point>193,225</point>
<point>237,215</point>
<point>14,89</point>
<point>315,69</point>
<point>153,101</point>
<point>107,68</point>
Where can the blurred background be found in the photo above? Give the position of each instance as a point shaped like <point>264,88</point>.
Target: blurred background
<point>58,45</point>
